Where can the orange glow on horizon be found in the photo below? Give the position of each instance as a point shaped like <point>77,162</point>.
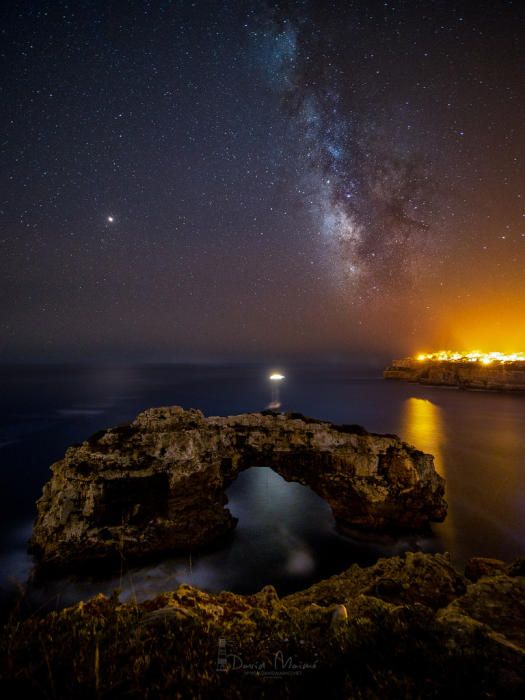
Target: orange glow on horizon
<point>490,320</point>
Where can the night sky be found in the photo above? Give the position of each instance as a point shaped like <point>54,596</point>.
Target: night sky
<point>235,180</point>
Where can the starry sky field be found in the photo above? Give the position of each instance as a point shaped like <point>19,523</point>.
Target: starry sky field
<point>260,180</point>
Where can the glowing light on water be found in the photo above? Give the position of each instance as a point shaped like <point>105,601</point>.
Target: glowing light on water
<point>423,425</point>
<point>276,378</point>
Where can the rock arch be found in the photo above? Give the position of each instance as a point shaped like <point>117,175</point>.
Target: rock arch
<point>158,484</point>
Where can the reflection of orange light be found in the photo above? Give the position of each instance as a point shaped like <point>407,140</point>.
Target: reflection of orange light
<point>486,358</point>
<point>423,427</point>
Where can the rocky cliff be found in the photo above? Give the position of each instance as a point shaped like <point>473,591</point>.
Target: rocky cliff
<point>508,376</point>
<point>409,627</point>
<point>158,484</point>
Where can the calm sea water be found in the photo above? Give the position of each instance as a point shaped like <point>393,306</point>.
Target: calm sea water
<point>285,533</point>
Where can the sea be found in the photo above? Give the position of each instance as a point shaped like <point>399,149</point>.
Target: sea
<point>285,534</point>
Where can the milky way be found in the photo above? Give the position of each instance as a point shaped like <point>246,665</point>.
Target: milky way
<point>372,197</point>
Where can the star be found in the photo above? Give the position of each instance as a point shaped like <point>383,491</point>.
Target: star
<point>110,219</point>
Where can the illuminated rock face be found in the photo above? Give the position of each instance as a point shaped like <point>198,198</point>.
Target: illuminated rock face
<point>158,484</point>
<point>508,376</point>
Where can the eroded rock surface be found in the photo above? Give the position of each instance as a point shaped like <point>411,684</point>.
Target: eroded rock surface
<point>158,484</point>
<point>409,627</point>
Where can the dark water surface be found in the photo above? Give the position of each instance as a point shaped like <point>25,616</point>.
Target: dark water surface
<point>285,533</point>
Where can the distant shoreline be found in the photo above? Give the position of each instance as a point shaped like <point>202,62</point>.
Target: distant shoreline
<point>502,377</point>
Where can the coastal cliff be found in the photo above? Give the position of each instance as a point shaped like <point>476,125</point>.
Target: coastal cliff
<point>158,484</point>
<point>508,376</point>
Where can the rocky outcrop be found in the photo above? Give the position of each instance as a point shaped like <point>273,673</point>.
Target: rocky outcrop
<point>409,627</point>
<point>158,484</point>
<point>508,376</point>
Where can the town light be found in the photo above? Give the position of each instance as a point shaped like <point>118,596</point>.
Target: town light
<point>485,358</point>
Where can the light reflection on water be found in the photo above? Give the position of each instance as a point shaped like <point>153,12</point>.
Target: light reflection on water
<point>478,443</point>
<point>423,426</point>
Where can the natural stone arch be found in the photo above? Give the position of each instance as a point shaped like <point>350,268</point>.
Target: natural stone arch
<point>316,469</point>
<point>158,484</point>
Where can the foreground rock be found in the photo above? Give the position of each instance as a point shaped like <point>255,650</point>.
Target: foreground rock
<point>509,376</point>
<point>408,627</point>
<point>158,484</point>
